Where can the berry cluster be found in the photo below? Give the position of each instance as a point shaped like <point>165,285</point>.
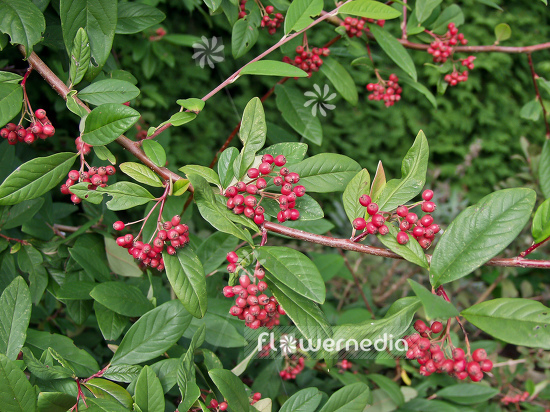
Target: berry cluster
<point>95,176</point>
<point>308,61</point>
<point>248,204</point>
<point>344,365</point>
<point>82,147</point>
<point>515,399</point>
<point>456,77</point>
<point>433,358</point>
<point>389,91</point>
<point>172,235</point>
<point>354,27</point>
<point>40,127</point>
<point>222,406</point>
<point>242,9</point>
<point>293,367</point>
<point>271,20</point>
<point>423,229</point>
<point>159,34</point>
<point>442,47</point>
<point>256,310</point>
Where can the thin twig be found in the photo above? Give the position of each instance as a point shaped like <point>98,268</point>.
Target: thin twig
<point>537,92</point>
<point>533,247</point>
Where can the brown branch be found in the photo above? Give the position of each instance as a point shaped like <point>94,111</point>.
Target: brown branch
<point>61,89</point>
<point>533,247</point>
<point>481,49</point>
<point>347,244</point>
<point>12,239</point>
<point>539,98</point>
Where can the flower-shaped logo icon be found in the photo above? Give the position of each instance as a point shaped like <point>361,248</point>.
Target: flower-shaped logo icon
<point>208,51</point>
<point>288,345</point>
<point>319,100</point>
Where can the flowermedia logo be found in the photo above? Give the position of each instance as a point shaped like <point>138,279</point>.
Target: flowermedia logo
<point>208,51</point>
<point>319,100</point>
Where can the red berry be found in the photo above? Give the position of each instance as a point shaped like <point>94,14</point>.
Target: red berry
<point>48,130</point>
<point>372,208</point>
<point>437,327</point>
<point>383,230</point>
<point>267,158</point>
<point>402,238</point>
<point>365,200</point>
<point>378,220</point>
<point>231,268</point>
<point>40,114</point>
<point>269,9</point>
<point>280,160</point>
<point>118,225</point>
<point>458,354</point>
<point>110,170</point>
<point>479,355</point>
<point>473,368</point>
<point>265,168</point>
<point>75,199</point>
<point>486,365</point>
<point>412,218</point>
<point>228,292</point>
<point>420,326</point>
<point>402,211</point>
<point>373,230</point>
<point>428,195</point>
<point>428,207</point>
<point>359,223</point>
<point>253,173</point>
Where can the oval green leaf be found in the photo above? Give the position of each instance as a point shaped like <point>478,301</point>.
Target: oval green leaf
<point>186,275</point>
<point>17,394</point>
<point>305,400</point>
<point>394,50</point>
<point>299,14</point>
<point>370,10</point>
<point>107,122</point>
<point>541,222</point>
<point>232,389</point>
<point>35,177</point>
<point>544,169</point>
<point>340,79</point>
<point>467,393</point>
<point>109,91</point>
<point>141,173</point>
<point>273,68</point>
<point>14,317</point>
<point>502,32</point>
<point>522,322</point>
<point>480,232</point>
<point>121,298</point>
<point>351,398</point>
<point>11,101</point>
<point>148,393</point>
<point>80,57</point>
<point>412,251</point>
<point>154,151</point>
<point>293,269</point>
<point>125,195</point>
<point>136,17</point>
<point>23,21</point>
<point>358,186</point>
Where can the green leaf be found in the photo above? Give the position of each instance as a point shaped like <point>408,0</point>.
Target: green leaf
<point>75,290</point>
<point>110,323</point>
<point>351,398</point>
<point>212,211</point>
<point>49,371</point>
<point>23,22</point>
<point>225,165</point>
<point>55,401</point>
<point>299,14</point>
<point>185,40</point>
<point>412,251</point>
<point>180,187</point>
<point>181,118</point>
<point>123,373</point>
<point>231,387</point>
<point>186,276</point>
<point>531,110</point>
<point>141,174</point>
<point>120,261</point>
<point>80,57</point>
<point>378,183</point>
<point>340,78</point>
<point>125,195</point>
<point>544,170</point>
<point>305,400</point>
<point>306,315</point>
<point>17,393</point>
<point>186,380</point>
<point>154,151</point>
<point>136,17</point>
<point>452,14</point>
<point>9,77</point>
<point>290,103</point>
<point>148,393</point>
<point>104,154</point>
<point>326,172</point>
<point>541,222</point>
<point>35,177</point>
<point>294,152</point>
<point>121,298</point>
<point>21,213</point>
<point>293,269</point>
<point>419,87</point>
<point>15,315</point>
<point>99,19</point>
<point>82,191</point>
<point>105,389</point>
<point>193,104</point>
<point>153,334</point>
<point>358,186</point>
<point>109,91</point>
<point>210,175</point>
<point>243,37</point>
<point>253,134</point>
<point>413,176</point>
<point>370,10</point>
<point>11,101</point>
<point>394,50</point>
<point>517,321</point>
<point>273,68</point>
<point>424,9</point>
<point>502,32</point>
<point>104,405</point>
<point>107,122</point>
<point>388,386</point>
<point>480,232</point>
<point>213,250</point>
<point>467,393</point>
<point>308,207</point>
<point>434,306</point>
<point>83,363</point>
